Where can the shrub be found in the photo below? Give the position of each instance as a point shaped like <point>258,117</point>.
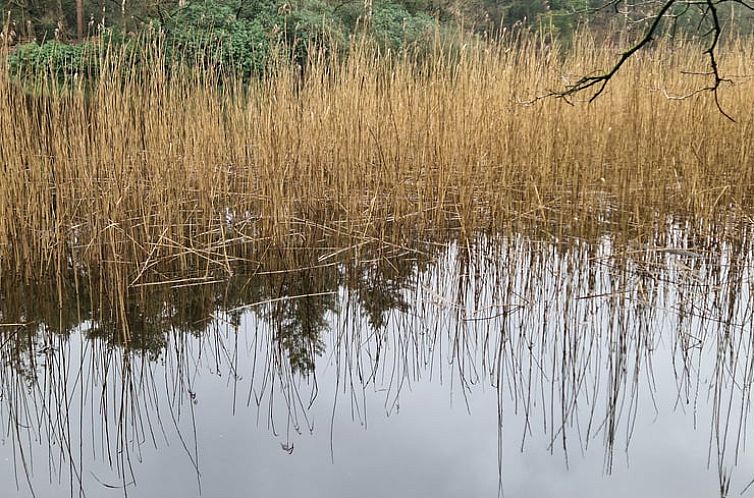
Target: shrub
<point>212,33</point>
<point>56,58</point>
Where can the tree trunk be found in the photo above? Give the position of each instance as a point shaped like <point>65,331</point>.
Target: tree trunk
<point>80,19</point>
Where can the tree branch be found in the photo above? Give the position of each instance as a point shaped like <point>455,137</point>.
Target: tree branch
<point>710,16</point>
<point>601,80</point>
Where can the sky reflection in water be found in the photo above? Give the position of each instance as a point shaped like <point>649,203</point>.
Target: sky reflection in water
<point>568,369</point>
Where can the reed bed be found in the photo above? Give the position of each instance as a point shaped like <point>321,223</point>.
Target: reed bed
<point>158,168</point>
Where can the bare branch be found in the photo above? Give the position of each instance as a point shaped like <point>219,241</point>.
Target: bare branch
<point>709,16</point>
<point>718,80</point>
<point>601,80</point>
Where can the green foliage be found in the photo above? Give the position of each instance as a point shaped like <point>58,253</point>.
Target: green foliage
<point>240,35</point>
<point>313,23</point>
<point>211,32</point>
<point>396,28</point>
<point>56,58</point>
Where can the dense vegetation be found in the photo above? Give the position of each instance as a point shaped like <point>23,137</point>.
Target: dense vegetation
<point>241,34</point>
<point>155,164</point>
<point>164,169</point>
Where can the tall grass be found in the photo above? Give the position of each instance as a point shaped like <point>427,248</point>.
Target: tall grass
<point>154,166</point>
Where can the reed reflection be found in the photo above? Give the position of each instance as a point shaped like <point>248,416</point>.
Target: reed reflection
<point>569,331</point>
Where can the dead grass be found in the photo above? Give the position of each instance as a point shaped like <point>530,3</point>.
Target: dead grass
<point>170,169</point>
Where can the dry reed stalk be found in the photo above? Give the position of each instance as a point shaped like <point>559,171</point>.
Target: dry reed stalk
<point>156,166</point>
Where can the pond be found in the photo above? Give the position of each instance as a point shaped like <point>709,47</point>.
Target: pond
<point>499,365</point>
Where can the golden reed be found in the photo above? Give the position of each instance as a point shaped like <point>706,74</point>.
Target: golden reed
<point>153,165</point>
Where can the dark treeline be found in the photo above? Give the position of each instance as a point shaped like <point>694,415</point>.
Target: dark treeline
<point>62,32</point>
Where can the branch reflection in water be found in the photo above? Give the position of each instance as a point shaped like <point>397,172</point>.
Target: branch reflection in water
<point>584,342</point>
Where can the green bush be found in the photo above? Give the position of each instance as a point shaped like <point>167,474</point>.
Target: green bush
<point>211,32</point>
<point>55,58</point>
<point>240,36</point>
<point>396,28</point>
<point>312,24</point>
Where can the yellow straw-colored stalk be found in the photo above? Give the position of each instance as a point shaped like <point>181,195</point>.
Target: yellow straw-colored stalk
<point>158,166</point>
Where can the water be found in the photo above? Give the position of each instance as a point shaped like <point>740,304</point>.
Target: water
<point>504,365</point>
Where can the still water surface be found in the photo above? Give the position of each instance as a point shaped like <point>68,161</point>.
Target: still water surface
<point>500,366</point>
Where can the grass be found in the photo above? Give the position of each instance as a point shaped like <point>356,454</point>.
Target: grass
<point>584,238</point>
<point>158,170</point>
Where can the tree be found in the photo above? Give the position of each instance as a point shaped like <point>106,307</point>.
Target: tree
<point>80,20</point>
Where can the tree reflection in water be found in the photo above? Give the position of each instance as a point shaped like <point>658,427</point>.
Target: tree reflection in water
<point>568,330</point>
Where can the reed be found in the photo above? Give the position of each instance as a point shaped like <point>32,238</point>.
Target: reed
<point>159,168</point>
